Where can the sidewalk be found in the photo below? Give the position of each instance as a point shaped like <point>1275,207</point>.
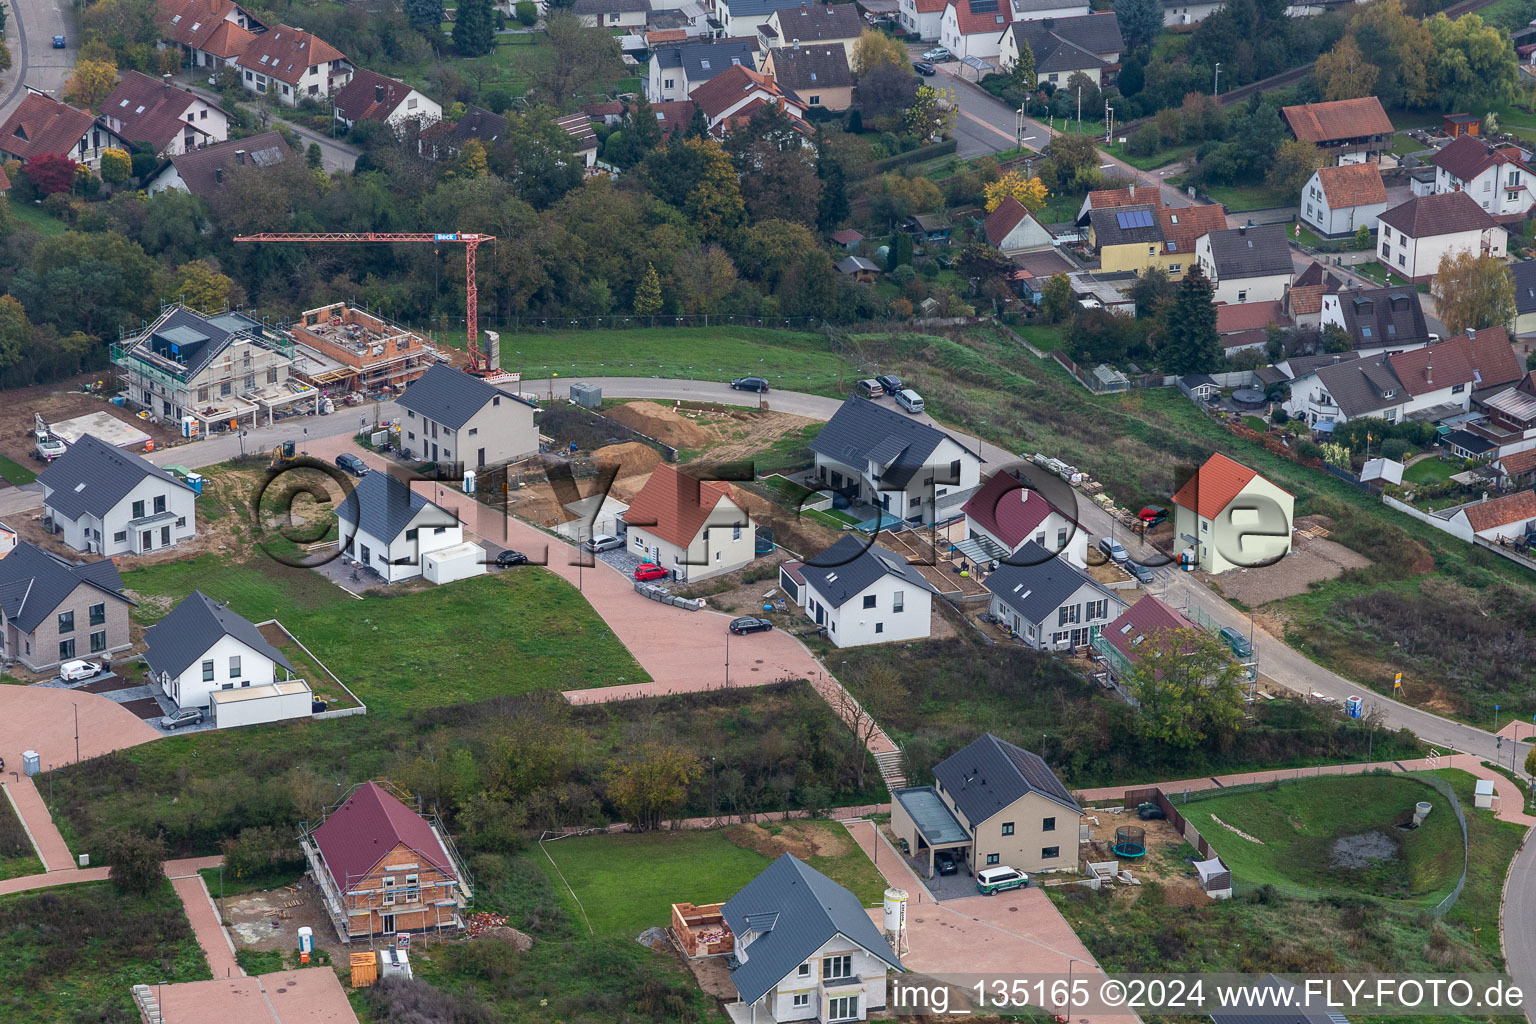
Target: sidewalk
<point>50,845</point>
<point>204,917</point>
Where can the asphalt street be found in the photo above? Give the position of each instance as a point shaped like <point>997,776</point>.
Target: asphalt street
<point>34,62</point>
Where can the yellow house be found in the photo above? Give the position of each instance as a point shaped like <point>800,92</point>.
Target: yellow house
<point>1139,237</point>
<point>1229,517</point>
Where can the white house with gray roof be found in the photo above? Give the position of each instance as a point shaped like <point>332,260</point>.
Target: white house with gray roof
<point>55,610</point>
<point>676,71</point>
<point>111,502</point>
<point>863,593</point>
<point>451,416</point>
<point>391,530</point>
<point>805,948</point>
<point>1246,264</point>
<point>907,468</point>
<point>1047,602</point>
<point>201,648</point>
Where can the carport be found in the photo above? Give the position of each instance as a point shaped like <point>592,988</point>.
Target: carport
<point>925,823</point>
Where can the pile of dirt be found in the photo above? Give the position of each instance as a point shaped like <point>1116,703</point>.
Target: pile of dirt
<point>653,938</point>
<point>663,423</point>
<point>520,941</point>
<point>801,840</point>
<point>636,461</point>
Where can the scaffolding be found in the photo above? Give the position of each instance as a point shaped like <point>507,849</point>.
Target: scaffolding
<point>353,348</point>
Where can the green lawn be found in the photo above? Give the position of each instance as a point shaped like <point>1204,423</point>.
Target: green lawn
<point>229,885</point>
<point>628,882</point>
<point>1428,471</point>
<point>17,857</point>
<point>15,473</point>
<point>1242,198</point>
<point>512,65</point>
<point>1161,158</point>
<point>1255,423</point>
<point>35,218</point>
<point>1404,145</point>
<point>1376,272</point>
<point>74,952</point>
<point>1299,826</point>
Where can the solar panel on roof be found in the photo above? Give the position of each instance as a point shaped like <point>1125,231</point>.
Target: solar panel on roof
<point>1134,219</point>
<point>983,6</point>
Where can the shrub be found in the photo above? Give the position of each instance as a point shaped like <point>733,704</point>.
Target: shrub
<point>903,274</point>
<point>527,13</point>
<point>1146,140</point>
<point>1309,450</point>
<point>397,1001</point>
<point>135,862</point>
<point>1395,448</point>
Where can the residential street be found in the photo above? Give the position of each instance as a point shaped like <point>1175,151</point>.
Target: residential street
<point>334,155</point>
<point>34,62</point>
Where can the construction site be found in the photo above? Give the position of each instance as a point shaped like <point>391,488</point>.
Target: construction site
<point>342,347</point>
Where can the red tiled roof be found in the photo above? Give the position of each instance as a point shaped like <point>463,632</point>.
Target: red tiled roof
<point>675,506</point>
<point>1183,226</point>
<point>1468,156</point>
<point>1009,215</point>
<point>285,53</point>
<point>5,180</point>
<point>1443,214</point>
<point>370,96</point>
<point>1146,195</point>
<point>1248,316</point>
<point>1008,510</point>
<point>994,16</point>
<point>204,25</point>
<point>1213,486</point>
<point>362,831</point>
<point>145,109</point>
<point>932,6</point>
<point>1432,368</point>
<point>1338,120</point>
<point>1140,622</point>
<point>41,125</point>
<point>666,35</point>
<point>847,236</point>
<point>1517,463</point>
<point>1352,185</point>
<point>1512,508</point>
<point>1490,354</point>
<point>718,94</point>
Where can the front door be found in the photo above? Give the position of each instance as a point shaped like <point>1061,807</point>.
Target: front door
<point>434,451</point>
<point>146,540</point>
<point>480,457</point>
<point>387,923</point>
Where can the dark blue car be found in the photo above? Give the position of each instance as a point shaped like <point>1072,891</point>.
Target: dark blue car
<point>58,42</point>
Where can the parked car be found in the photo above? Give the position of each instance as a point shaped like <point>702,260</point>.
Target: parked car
<point>924,68</point>
<point>650,571</point>
<point>1141,572</point>
<point>71,671</point>
<point>750,384</point>
<point>1114,550</point>
<point>748,624</point>
<point>944,862</point>
<point>186,716</point>
<point>910,400</point>
<point>510,557</point>
<point>938,54</point>
<point>602,542</point>
<point>1000,879</point>
<point>1152,515</point>
<point>352,464</point>
<point>1240,644</point>
<point>890,382</point>
<point>58,42</point>
<point>870,388</point>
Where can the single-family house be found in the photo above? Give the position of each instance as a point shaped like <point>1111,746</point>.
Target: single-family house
<point>1340,199</point>
<point>861,269</point>
<point>1516,469</point>
<point>112,502</point>
<point>825,25</point>
<point>992,804</point>
<point>1189,12</point>
<point>974,28</point>
<point>1245,325</point>
<point>383,868</point>
<point>739,19</point>
<point>1511,517</point>
<point>451,416</point>
<point>208,369</point>
<point>1347,131</point>
<point>583,137</point>
<point>202,648</point>
<point>1183,227</point>
<point>390,529</point>
<point>865,593</point>
<point>612,14</point>
<point>202,172</point>
<point>370,96</point>
<point>674,116</point>
<point>1104,198</point>
<point>1415,236</point>
<point>1333,393</point>
<point>1498,177</point>
<point>805,949</point>
<point>1125,641</point>
<point>921,18</point>
<point>1048,10</point>
<point>1247,264</point>
<point>1012,229</point>
<point>1377,318</point>
<point>1090,44</point>
<point>55,610</point>
<point>693,528</point>
<point>291,64</point>
<point>816,74</point>
<point>729,100</point>
<point>1231,517</point>
<point>1134,238</point>
<point>209,33</point>
<point>1007,514</point>
<point>1048,603</point>
<point>444,139</point>
<point>1304,299</point>
<point>897,463</point>
<point>42,126</point>
<point>1524,274</point>
<point>169,119</point>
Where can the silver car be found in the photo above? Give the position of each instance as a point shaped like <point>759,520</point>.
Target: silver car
<point>186,716</point>
<point>602,542</point>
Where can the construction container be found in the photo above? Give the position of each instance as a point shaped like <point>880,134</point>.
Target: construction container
<point>395,963</point>
<point>365,969</point>
<point>589,396</point>
<point>30,763</point>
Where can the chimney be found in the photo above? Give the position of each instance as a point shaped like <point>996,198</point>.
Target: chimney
<point>239,156</point>
<point>1471,333</point>
<point>167,80</point>
<point>1429,370</point>
<point>797,44</point>
<point>378,94</point>
<point>218,175</point>
<point>1242,230</point>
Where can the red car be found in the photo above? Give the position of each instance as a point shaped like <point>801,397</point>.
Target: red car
<point>648,571</point>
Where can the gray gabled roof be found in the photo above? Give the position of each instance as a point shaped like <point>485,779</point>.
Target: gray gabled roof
<point>1037,586</point>
<point>1070,44</point>
<point>744,8</point>
<point>1259,251</point>
<point>382,507</point>
<point>704,60</point>
<point>1125,225</point>
<point>1356,386</point>
<point>1524,274</point>
<point>93,476</point>
<point>610,6</point>
<point>862,431</point>
<point>33,582</point>
<point>795,910</point>
<point>846,569</point>
<point>990,774</point>
<point>195,625</point>
<point>449,396</point>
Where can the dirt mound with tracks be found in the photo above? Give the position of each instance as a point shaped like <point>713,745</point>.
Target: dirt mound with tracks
<point>662,422</point>
<point>636,461</point>
<point>803,841</point>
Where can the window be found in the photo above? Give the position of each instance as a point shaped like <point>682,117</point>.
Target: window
<point>802,1000</point>
<point>226,389</point>
<point>1205,526</point>
<point>1402,259</point>
<point>1457,389</point>
<point>669,83</point>
<point>138,510</point>
<point>898,601</point>
<point>1061,538</point>
<point>412,893</point>
<point>473,431</point>
<point>993,858</point>
<point>736,532</point>
<point>1050,852</point>
<point>120,537</point>
<point>1069,613</point>
<point>98,641</point>
<point>389,890</point>
<point>181,521</point>
<point>954,471</point>
<point>815,101</point>
<point>834,967</point>
<point>159,503</point>
<point>1007,828</point>
<point>66,649</point>
<point>66,622</point>
<point>804,971</point>
<point>1053,76</point>
<point>234,666</point>
<point>1386,250</point>
<point>869,600</point>
<point>272,375</point>
<point>1487,187</point>
<point>1242,296</point>
<point>843,1008</point>
<point>410,534</point>
<point>208,671</point>
<point>1098,609</point>
<point>202,394</point>
<point>1047,824</point>
<point>98,614</point>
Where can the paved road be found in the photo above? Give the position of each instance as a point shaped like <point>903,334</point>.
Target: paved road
<point>1518,921</point>
<point>334,155</point>
<point>34,62</point>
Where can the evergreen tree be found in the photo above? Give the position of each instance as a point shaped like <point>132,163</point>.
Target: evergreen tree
<point>425,15</point>
<point>648,292</point>
<point>1191,344</point>
<point>474,28</point>
<point>832,208</point>
<point>1024,68</point>
<point>698,125</point>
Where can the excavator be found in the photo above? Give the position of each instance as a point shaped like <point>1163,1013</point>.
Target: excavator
<point>284,454</point>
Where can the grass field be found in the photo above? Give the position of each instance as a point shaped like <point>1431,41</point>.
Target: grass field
<point>627,883</point>
<point>15,473</point>
<point>1301,825</point>
<point>73,952</point>
<point>229,885</point>
<point>1428,471</point>
<point>33,217</point>
<point>1242,198</point>
<point>17,857</point>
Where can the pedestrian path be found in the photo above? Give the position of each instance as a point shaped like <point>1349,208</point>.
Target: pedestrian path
<point>46,840</point>
<point>204,918</point>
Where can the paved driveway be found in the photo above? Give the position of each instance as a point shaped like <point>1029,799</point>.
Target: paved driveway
<point>42,718</point>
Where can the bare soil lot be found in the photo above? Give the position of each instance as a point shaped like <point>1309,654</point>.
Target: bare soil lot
<point>718,433</point>
<point>64,400</point>
<point>1311,561</point>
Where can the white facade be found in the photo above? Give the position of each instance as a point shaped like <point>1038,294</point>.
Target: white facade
<point>615,19</point>
<point>662,84</point>
<point>416,106</point>
<point>948,470</point>
<point>1056,533</point>
<point>1333,222</point>
<point>1270,288</point>
<point>925,24</point>
<point>1503,189</point>
<point>1008,56</point>
<point>155,514</point>
<point>1068,626</point>
<point>1187,13</point>
<point>1310,402</point>
<point>227,665</point>
<point>986,45</point>
<point>1419,258</point>
<point>726,542</point>
<point>450,564</point>
<point>1243,533</point>
<point>891,608</point>
<point>401,558</point>
<point>808,992</point>
<point>258,705</point>
<point>204,125</point>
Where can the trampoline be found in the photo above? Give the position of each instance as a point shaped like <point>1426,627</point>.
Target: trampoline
<point>1130,842</point>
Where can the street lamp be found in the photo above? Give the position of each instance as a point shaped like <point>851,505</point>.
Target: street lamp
<point>77,729</point>
<point>1216,81</point>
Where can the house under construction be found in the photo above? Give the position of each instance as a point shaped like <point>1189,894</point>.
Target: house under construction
<point>342,347</point>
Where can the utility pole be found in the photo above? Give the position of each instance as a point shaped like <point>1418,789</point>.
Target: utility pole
<point>1079,108</point>
<point>1109,123</point>
<point>1216,81</point>
<point>77,730</point>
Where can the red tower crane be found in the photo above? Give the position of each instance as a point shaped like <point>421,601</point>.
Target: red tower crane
<point>477,364</point>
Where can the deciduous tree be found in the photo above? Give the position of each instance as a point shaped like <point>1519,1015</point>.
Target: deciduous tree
<point>15,332</point>
<point>474,28</point>
<point>1190,341</point>
<point>1401,47</point>
<point>714,204</point>
<point>90,83</point>
<point>1186,685</point>
<point>1474,64</point>
<point>201,286</point>
<point>1294,163</point>
<point>583,57</point>
<point>931,113</point>
<point>648,292</point>
<point>702,277</point>
<point>1472,291</point>
<point>1056,298</point>
<point>653,784</point>
<point>875,49</point>
<point>135,863</point>
<point>1030,192</point>
<point>50,173</point>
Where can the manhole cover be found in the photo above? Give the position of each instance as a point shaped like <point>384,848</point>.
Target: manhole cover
<point>281,991</point>
<point>759,661</point>
<point>756,669</point>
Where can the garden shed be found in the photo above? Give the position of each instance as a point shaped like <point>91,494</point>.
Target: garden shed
<point>1215,878</point>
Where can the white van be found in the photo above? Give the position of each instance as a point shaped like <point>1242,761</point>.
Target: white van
<point>910,400</point>
<point>1000,879</point>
